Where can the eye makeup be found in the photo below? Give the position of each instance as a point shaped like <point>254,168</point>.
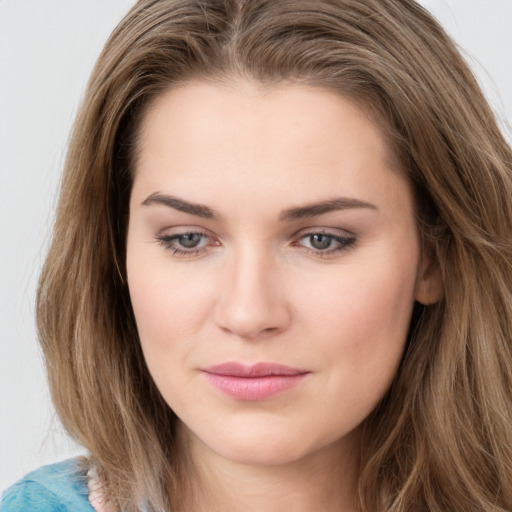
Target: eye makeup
<point>319,243</point>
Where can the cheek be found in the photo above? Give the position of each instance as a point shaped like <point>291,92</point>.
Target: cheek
<point>360,323</point>
<point>373,296</point>
<point>170,304</point>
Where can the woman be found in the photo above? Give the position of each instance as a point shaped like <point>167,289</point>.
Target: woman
<point>281,269</point>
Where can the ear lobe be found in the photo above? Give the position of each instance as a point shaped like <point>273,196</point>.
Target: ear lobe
<point>429,287</point>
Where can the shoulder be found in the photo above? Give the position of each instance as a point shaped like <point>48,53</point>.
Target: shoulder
<point>60,487</point>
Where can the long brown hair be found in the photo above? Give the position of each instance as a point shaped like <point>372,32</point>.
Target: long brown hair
<point>441,440</point>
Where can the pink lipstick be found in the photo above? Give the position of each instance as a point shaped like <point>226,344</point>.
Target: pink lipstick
<point>256,382</point>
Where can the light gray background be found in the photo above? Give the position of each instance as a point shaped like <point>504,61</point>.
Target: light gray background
<point>47,49</point>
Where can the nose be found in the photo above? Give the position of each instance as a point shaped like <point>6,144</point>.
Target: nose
<point>252,303</point>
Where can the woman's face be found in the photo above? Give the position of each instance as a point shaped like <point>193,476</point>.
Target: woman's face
<point>273,261</point>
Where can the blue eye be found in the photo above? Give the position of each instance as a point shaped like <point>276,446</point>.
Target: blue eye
<point>194,242</point>
<point>189,240</point>
<point>324,244</point>
<point>320,242</point>
<point>184,244</point>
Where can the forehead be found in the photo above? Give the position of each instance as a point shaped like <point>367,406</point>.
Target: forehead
<point>253,105</point>
<point>208,140</point>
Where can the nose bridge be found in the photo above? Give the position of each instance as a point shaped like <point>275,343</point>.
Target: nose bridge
<point>250,303</point>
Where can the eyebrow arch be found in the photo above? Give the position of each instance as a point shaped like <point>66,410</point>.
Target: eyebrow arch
<point>296,213</point>
<point>181,205</point>
<point>329,205</point>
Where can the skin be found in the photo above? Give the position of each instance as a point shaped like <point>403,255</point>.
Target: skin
<point>257,288</point>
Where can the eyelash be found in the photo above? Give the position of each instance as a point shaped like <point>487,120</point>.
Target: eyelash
<point>169,243</point>
<point>344,243</point>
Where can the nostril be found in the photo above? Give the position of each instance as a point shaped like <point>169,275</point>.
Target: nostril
<point>249,305</point>
<point>255,327</point>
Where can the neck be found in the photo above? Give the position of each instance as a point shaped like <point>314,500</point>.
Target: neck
<point>324,480</point>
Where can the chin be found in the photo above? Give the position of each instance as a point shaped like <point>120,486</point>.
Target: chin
<point>264,446</point>
<point>261,453</point>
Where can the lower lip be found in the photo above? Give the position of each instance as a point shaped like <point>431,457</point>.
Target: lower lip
<point>254,388</point>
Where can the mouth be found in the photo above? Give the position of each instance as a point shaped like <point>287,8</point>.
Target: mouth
<point>255,382</point>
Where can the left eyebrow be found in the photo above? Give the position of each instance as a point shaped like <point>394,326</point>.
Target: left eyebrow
<point>329,205</point>
<point>181,205</point>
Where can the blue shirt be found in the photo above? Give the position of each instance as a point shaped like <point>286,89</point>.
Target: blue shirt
<point>60,487</point>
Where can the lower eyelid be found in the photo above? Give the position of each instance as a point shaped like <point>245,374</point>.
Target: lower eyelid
<point>170,242</point>
<point>336,251</point>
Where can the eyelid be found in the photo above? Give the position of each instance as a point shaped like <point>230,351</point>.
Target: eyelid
<point>345,240</point>
<point>169,240</point>
<point>316,230</point>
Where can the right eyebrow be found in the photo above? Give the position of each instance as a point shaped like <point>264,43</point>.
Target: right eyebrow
<point>322,207</point>
<point>181,205</point>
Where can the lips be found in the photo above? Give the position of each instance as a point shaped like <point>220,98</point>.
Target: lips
<point>255,382</point>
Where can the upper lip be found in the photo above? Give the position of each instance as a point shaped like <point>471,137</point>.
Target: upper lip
<point>264,369</point>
